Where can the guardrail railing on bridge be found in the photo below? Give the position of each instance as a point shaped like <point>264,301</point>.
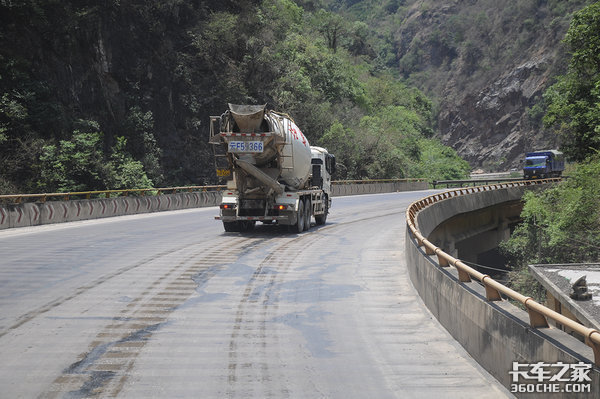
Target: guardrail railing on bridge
<point>371,181</point>
<point>18,198</point>
<point>473,182</point>
<point>538,313</point>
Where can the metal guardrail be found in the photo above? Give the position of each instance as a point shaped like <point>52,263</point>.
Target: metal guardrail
<point>18,198</point>
<point>376,181</point>
<point>538,313</point>
<point>473,182</point>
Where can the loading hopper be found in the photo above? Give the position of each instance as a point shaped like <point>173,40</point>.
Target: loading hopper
<point>248,117</point>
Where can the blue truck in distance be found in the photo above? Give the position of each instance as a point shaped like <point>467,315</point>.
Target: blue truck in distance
<point>543,164</point>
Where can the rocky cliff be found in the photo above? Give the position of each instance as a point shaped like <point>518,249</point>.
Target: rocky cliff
<point>492,127</point>
<point>487,64</point>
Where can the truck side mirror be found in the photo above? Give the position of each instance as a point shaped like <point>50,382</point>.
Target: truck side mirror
<point>331,163</point>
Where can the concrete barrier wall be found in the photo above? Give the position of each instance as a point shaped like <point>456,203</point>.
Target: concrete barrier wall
<point>496,334</point>
<point>33,214</point>
<point>432,216</point>
<point>342,189</point>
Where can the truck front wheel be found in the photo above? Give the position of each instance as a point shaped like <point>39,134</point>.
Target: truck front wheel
<point>299,226</point>
<point>321,219</point>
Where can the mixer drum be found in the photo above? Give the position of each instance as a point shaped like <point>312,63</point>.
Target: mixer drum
<point>288,148</point>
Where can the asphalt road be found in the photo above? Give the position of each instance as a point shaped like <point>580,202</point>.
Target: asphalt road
<point>168,305</point>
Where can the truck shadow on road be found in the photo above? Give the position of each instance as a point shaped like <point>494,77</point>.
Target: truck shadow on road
<point>273,230</point>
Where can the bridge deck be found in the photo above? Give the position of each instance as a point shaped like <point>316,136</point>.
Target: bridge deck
<point>167,305</point>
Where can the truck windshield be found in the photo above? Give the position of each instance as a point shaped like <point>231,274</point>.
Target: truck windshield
<point>535,162</point>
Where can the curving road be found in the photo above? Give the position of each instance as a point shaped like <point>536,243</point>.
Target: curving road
<point>168,305</point>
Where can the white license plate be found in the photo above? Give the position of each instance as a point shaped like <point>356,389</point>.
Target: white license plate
<point>245,146</point>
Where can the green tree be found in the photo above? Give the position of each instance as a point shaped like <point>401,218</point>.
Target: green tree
<point>439,162</point>
<point>332,26</point>
<point>343,142</point>
<point>392,143</point>
<point>574,100</point>
<point>80,164</point>
<point>142,142</point>
<point>124,172</point>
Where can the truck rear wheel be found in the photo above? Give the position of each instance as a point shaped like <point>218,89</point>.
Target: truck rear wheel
<point>307,213</point>
<point>232,227</point>
<point>247,225</point>
<point>299,226</point>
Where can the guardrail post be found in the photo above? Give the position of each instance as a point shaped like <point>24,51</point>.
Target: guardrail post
<point>595,347</point>
<point>536,319</point>
<point>491,293</point>
<point>429,251</point>
<point>442,261</point>
<point>463,276</point>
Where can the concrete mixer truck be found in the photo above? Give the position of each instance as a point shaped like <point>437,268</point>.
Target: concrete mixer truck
<point>273,175</point>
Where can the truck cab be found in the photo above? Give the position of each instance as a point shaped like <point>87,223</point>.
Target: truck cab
<point>323,166</point>
<point>543,164</point>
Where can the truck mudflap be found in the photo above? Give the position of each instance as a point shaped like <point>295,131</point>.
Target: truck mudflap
<point>251,218</point>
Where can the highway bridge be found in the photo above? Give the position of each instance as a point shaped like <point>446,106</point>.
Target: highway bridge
<point>168,305</point>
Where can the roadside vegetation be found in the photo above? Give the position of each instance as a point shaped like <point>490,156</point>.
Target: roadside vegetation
<point>562,224</point>
<point>118,93</point>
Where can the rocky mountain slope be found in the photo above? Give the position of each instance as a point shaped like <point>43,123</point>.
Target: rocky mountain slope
<point>486,63</point>
<point>492,127</point>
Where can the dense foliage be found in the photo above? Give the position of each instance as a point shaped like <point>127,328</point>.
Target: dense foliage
<point>574,100</point>
<point>116,93</point>
<point>394,139</point>
<point>80,164</point>
<point>562,224</point>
